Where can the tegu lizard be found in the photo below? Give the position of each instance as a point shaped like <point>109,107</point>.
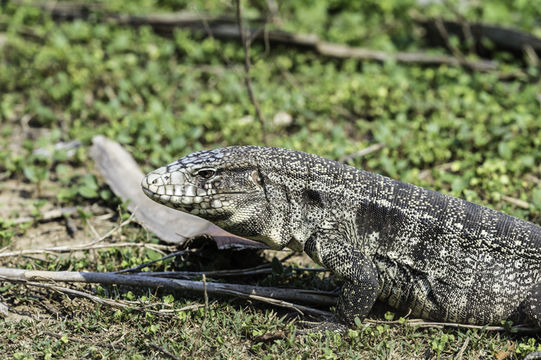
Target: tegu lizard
<point>441,257</point>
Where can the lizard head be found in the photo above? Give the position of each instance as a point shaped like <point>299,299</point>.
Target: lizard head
<point>224,186</point>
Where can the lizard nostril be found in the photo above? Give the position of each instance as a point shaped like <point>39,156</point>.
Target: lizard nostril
<point>155,181</point>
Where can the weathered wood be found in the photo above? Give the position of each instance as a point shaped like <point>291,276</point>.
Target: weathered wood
<point>123,175</point>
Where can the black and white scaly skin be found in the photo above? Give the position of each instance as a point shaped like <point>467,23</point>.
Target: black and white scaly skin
<point>441,257</point>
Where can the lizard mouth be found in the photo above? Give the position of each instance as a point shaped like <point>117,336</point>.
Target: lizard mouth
<point>190,203</point>
<point>148,193</point>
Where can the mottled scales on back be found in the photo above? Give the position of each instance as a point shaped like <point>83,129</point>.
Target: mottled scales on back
<point>441,257</point>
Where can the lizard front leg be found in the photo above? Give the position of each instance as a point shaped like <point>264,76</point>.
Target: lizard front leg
<point>361,280</point>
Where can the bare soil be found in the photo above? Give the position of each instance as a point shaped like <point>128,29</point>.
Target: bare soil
<point>18,198</point>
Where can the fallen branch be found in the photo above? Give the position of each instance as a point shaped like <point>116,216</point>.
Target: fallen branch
<point>258,270</point>
<point>222,27</point>
<point>504,38</point>
<point>268,295</point>
<point>274,296</point>
<point>344,51</point>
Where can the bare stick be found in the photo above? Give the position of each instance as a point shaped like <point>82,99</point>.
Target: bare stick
<point>344,51</point>
<point>288,256</point>
<point>463,348</point>
<point>434,324</point>
<point>296,307</point>
<point>445,36</point>
<point>530,177</point>
<point>112,231</point>
<point>247,80</point>
<point>520,203</point>
<point>164,351</point>
<point>206,297</point>
<point>144,265</point>
<point>91,245</point>
<point>64,249</point>
<point>502,37</point>
<point>466,28</point>
<point>532,57</point>
<point>363,152</point>
<point>257,270</point>
<point>275,296</point>
<point>97,299</point>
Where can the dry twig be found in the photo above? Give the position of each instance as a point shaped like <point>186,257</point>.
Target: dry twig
<point>88,246</point>
<point>247,80</point>
<point>65,249</point>
<point>363,152</point>
<point>256,270</point>
<point>164,351</point>
<point>463,348</point>
<point>531,178</point>
<point>503,38</point>
<point>520,203</point>
<point>274,296</point>
<point>436,324</point>
<point>466,28</point>
<point>206,297</point>
<point>144,265</point>
<point>97,299</point>
<point>455,50</point>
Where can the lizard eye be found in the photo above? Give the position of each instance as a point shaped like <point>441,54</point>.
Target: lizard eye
<point>206,173</point>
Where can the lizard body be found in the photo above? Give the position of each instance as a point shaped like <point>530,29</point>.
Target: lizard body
<point>441,257</point>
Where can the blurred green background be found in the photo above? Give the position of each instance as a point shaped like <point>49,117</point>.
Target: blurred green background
<point>478,134</point>
<point>472,134</point>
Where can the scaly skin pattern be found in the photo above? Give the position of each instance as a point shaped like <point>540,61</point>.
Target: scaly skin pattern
<point>438,256</point>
